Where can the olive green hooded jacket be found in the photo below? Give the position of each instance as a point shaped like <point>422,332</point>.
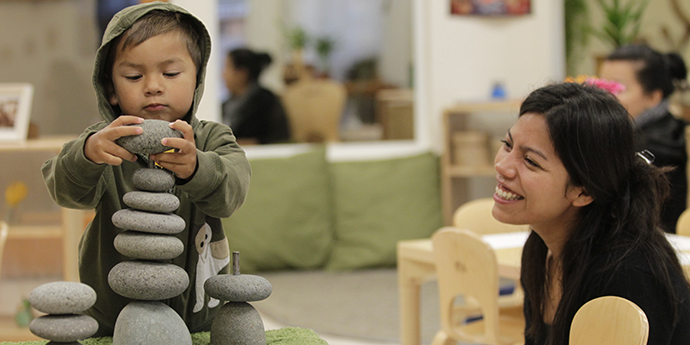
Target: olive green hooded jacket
<point>216,190</point>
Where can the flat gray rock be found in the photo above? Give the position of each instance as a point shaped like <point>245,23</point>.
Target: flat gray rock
<point>238,323</point>
<point>140,245</point>
<point>150,323</point>
<point>153,180</point>
<point>149,142</point>
<point>156,223</point>
<point>64,328</point>
<point>152,202</point>
<point>148,280</point>
<point>238,288</point>
<point>62,298</point>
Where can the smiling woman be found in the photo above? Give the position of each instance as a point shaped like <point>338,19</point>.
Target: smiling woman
<point>569,170</point>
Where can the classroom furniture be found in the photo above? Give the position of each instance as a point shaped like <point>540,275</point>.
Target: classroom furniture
<point>609,320</point>
<point>416,264</point>
<point>683,224</point>
<point>476,216</point>
<point>466,266</point>
<point>314,108</point>
<point>72,221</point>
<point>455,176</point>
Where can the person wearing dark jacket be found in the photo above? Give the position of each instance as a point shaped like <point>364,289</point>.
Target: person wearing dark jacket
<point>254,113</point>
<point>649,78</point>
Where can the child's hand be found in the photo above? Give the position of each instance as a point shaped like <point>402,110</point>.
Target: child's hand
<point>101,148</point>
<point>183,161</point>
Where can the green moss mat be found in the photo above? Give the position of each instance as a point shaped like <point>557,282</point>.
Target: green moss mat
<point>283,336</point>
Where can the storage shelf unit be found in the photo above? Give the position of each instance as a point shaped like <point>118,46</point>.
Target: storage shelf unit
<point>455,178</point>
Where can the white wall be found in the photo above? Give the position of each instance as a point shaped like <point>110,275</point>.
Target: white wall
<point>459,58</point>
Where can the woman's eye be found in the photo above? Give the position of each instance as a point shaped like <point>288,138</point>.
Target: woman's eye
<point>506,144</point>
<point>531,162</point>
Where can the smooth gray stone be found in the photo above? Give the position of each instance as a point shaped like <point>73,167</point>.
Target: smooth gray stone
<point>140,245</point>
<point>238,288</point>
<point>149,142</point>
<point>148,280</point>
<point>155,223</point>
<point>64,328</point>
<point>62,297</point>
<point>238,323</point>
<point>150,323</point>
<point>153,180</point>
<point>153,202</point>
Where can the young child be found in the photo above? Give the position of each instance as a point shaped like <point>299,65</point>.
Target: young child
<point>151,65</point>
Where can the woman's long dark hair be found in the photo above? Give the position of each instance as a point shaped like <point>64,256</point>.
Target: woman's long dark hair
<point>253,62</point>
<point>593,136</point>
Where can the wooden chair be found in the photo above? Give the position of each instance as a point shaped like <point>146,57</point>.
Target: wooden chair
<point>476,216</point>
<point>315,107</point>
<point>609,320</point>
<point>683,224</point>
<point>466,266</point>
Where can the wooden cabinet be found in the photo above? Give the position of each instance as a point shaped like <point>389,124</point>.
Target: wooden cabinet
<point>456,176</point>
<point>71,222</point>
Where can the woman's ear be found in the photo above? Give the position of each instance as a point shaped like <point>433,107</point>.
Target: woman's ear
<point>582,198</point>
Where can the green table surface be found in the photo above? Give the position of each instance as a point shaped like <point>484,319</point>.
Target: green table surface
<point>283,336</point>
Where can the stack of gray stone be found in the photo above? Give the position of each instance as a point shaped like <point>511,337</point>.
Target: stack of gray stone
<point>63,302</point>
<point>148,238</point>
<point>237,322</point>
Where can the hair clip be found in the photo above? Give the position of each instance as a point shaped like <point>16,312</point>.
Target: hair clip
<point>646,155</point>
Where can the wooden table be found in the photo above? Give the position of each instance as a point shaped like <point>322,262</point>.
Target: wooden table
<point>416,265</point>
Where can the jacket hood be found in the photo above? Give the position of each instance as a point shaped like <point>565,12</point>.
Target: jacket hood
<point>122,21</point>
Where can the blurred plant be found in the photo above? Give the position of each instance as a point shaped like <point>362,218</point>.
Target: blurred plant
<point>622,23</point>
<point>324,47</point>
<point>14,194</point>
<point>576,37</point>
<point>24,314</point>
<point>297,38</point>
<point>681,43</point>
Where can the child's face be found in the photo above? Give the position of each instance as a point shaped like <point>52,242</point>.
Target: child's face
<point>155,79</point>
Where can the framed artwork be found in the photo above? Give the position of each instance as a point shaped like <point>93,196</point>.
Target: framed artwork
<point>490,7</point>
<point>15,109</point>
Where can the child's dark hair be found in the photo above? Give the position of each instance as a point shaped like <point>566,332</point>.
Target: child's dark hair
<point>253,62</point>
<point>658,71</point>
<point>593,136</point>
<point>155,23</point>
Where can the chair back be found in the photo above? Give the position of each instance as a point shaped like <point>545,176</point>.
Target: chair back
<point>315,107</point>
<point>466,266</point>
<point>476,216</point>
<point>609,320</point>
<point>683,224</point>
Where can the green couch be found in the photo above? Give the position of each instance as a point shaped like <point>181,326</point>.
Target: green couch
<point>305,212</point>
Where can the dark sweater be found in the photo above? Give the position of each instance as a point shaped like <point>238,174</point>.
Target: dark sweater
<point>259,115</point>
<point>633,280</point>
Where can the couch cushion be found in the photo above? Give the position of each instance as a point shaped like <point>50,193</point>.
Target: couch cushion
<point>378,203</point>
<point>286,221</point>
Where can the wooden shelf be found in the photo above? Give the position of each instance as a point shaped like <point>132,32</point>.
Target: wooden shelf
<point>455,178</point>
<point>470,171</point>
<point>35,231</point>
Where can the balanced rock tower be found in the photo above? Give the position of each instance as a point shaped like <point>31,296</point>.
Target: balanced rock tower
<point>63,302</point>
<point>237,322</point>
<point>149,225</point>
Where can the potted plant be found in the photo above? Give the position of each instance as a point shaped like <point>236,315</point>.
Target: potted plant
<point>324,47</point>
<point>622,21</point>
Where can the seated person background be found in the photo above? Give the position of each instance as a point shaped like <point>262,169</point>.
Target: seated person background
<point>650,78</point>
<point>254,113</point>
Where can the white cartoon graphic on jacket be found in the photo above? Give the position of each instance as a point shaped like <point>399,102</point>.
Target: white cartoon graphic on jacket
<point>212,258</point>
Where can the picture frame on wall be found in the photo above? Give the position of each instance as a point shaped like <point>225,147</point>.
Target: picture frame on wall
<point>15,110</point>
<point>490,7</point>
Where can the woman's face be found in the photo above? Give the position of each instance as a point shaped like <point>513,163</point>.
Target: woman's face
<point>633,98</point>
<point>235,79</point>
<point>532,183</point>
